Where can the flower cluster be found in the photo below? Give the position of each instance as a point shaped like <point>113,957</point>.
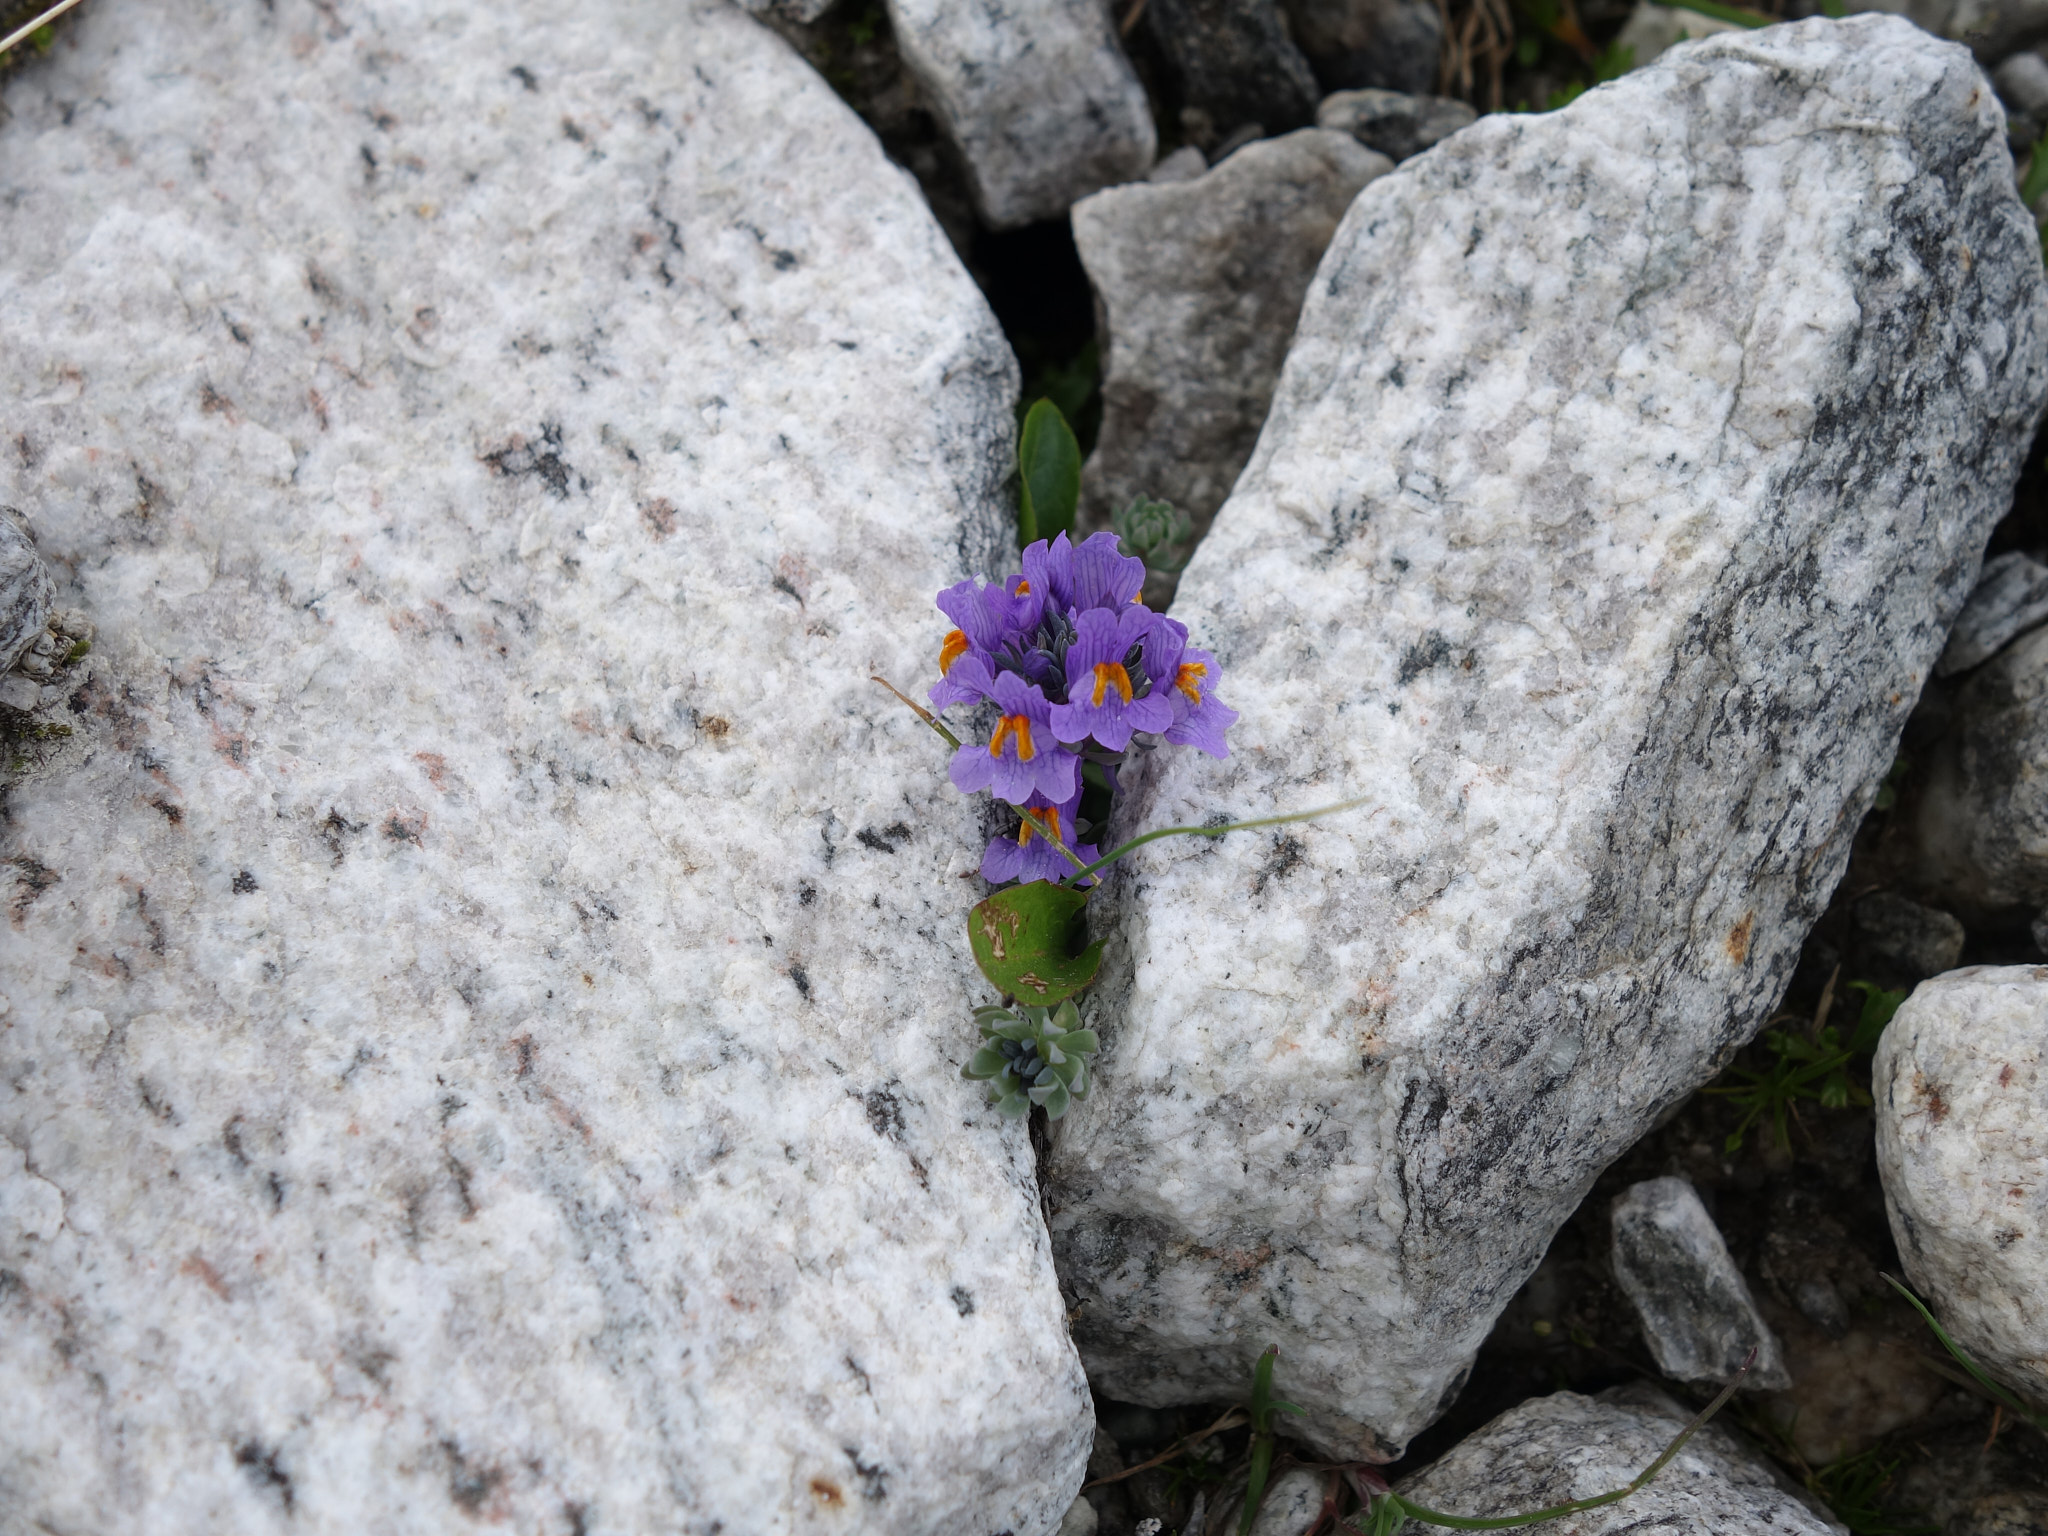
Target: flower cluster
<point>1076,666</point>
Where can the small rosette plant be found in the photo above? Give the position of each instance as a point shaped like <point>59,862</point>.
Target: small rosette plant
<point>1033,1056</point>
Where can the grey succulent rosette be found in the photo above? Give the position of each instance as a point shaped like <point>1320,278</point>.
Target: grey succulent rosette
<point>1032,1056</point>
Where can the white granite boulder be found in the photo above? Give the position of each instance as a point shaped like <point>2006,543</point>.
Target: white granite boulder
<point>484,985</point>
<point>1037,96</point>
<point>1558,1449</point>
<point>1628,468</point>
<point>1198,284</point>
<point>1961,1083</point>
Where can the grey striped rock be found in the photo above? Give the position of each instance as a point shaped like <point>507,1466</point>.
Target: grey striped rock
<point>485,984</point>
<point>1627,471</point>
<point>1558,1449</point>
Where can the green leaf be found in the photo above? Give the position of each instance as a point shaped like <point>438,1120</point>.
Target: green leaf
<point>986,1062</point>
<point>1080,1041</point>
<point>1027,941</point>
<point>1055,1098</point>
<point>1049,465</point>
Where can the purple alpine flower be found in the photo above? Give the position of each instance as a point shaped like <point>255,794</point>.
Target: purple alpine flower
<point>1022,758</point>
<point>1186,677</point>
<point>1030,855</point>
<point>1101,699</point>
<point>988,617</point>
<point>1093,575</point>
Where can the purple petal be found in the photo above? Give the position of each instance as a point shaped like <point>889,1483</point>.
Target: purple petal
<point>967,681</point>
<point>972,769</point>
<point>1003,860</point>
<point>1203,726</point>
<point>1103,577</point>
<point>1049,568</point>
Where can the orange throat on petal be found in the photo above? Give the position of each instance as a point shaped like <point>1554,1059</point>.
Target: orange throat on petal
<point>1189,680</point>
<point>1017,727</point>
<point>951,649</point>
<point>1042,819</point>
<point>1111,674</point>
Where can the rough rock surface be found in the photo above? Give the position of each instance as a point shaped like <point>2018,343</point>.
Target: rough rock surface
<point>26,592</point>
<point>1961,1083</point>
<point>1552,1450</point>
<point>2010,598</point>
<point>1036,94</point>
<point>1293,1502</point>
<point>1907,938</point>
<point>1395,124</point>
<point>1388,44</point>
<point>803,12</point>
<point>1981,820</point>
<point>1627,471</point>
<point>1651,30</point>
<point>1229,64</point>
<point>1698,1316</point>
<point>1198,284</point>
<point>484,985</point>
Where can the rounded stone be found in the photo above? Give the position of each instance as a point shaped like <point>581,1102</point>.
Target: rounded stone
<point>1962,1131</point>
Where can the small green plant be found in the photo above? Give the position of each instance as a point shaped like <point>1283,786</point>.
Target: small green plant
<point>1033,1056</point>
<point>1812,1065</point>
<point>1049,475</point>
<point>1854,1487</point>
<point>1152,531</point>
<point>1894,776</point>
<point>1263,1406</point>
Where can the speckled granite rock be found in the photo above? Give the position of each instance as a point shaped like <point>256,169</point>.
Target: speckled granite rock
<point>1961,1082</point>
<point>1698,1317</point>
<point>1198,284</point>
<point>1397,125</point>
<point>1552,1450</point>
<point>1037,95</point>
<point>26,592</point>
<point>1980,823</point>
<point>484,985</point>
<point>2010,598</point>
<point>1584,539</point>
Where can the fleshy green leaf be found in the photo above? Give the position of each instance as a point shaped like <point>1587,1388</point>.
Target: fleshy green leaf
<point>1055,1098</point>
<point>986,1062</point>
<point>1013,1106</point>
<point>1027,941</point>
<point>1049,467</point>
<point>1081,1041</point>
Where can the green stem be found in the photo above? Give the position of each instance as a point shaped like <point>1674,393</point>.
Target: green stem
<point>1999,1394</point>
<point>41,21</point>
<point>1235,826</point>
<point>922,713</point>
